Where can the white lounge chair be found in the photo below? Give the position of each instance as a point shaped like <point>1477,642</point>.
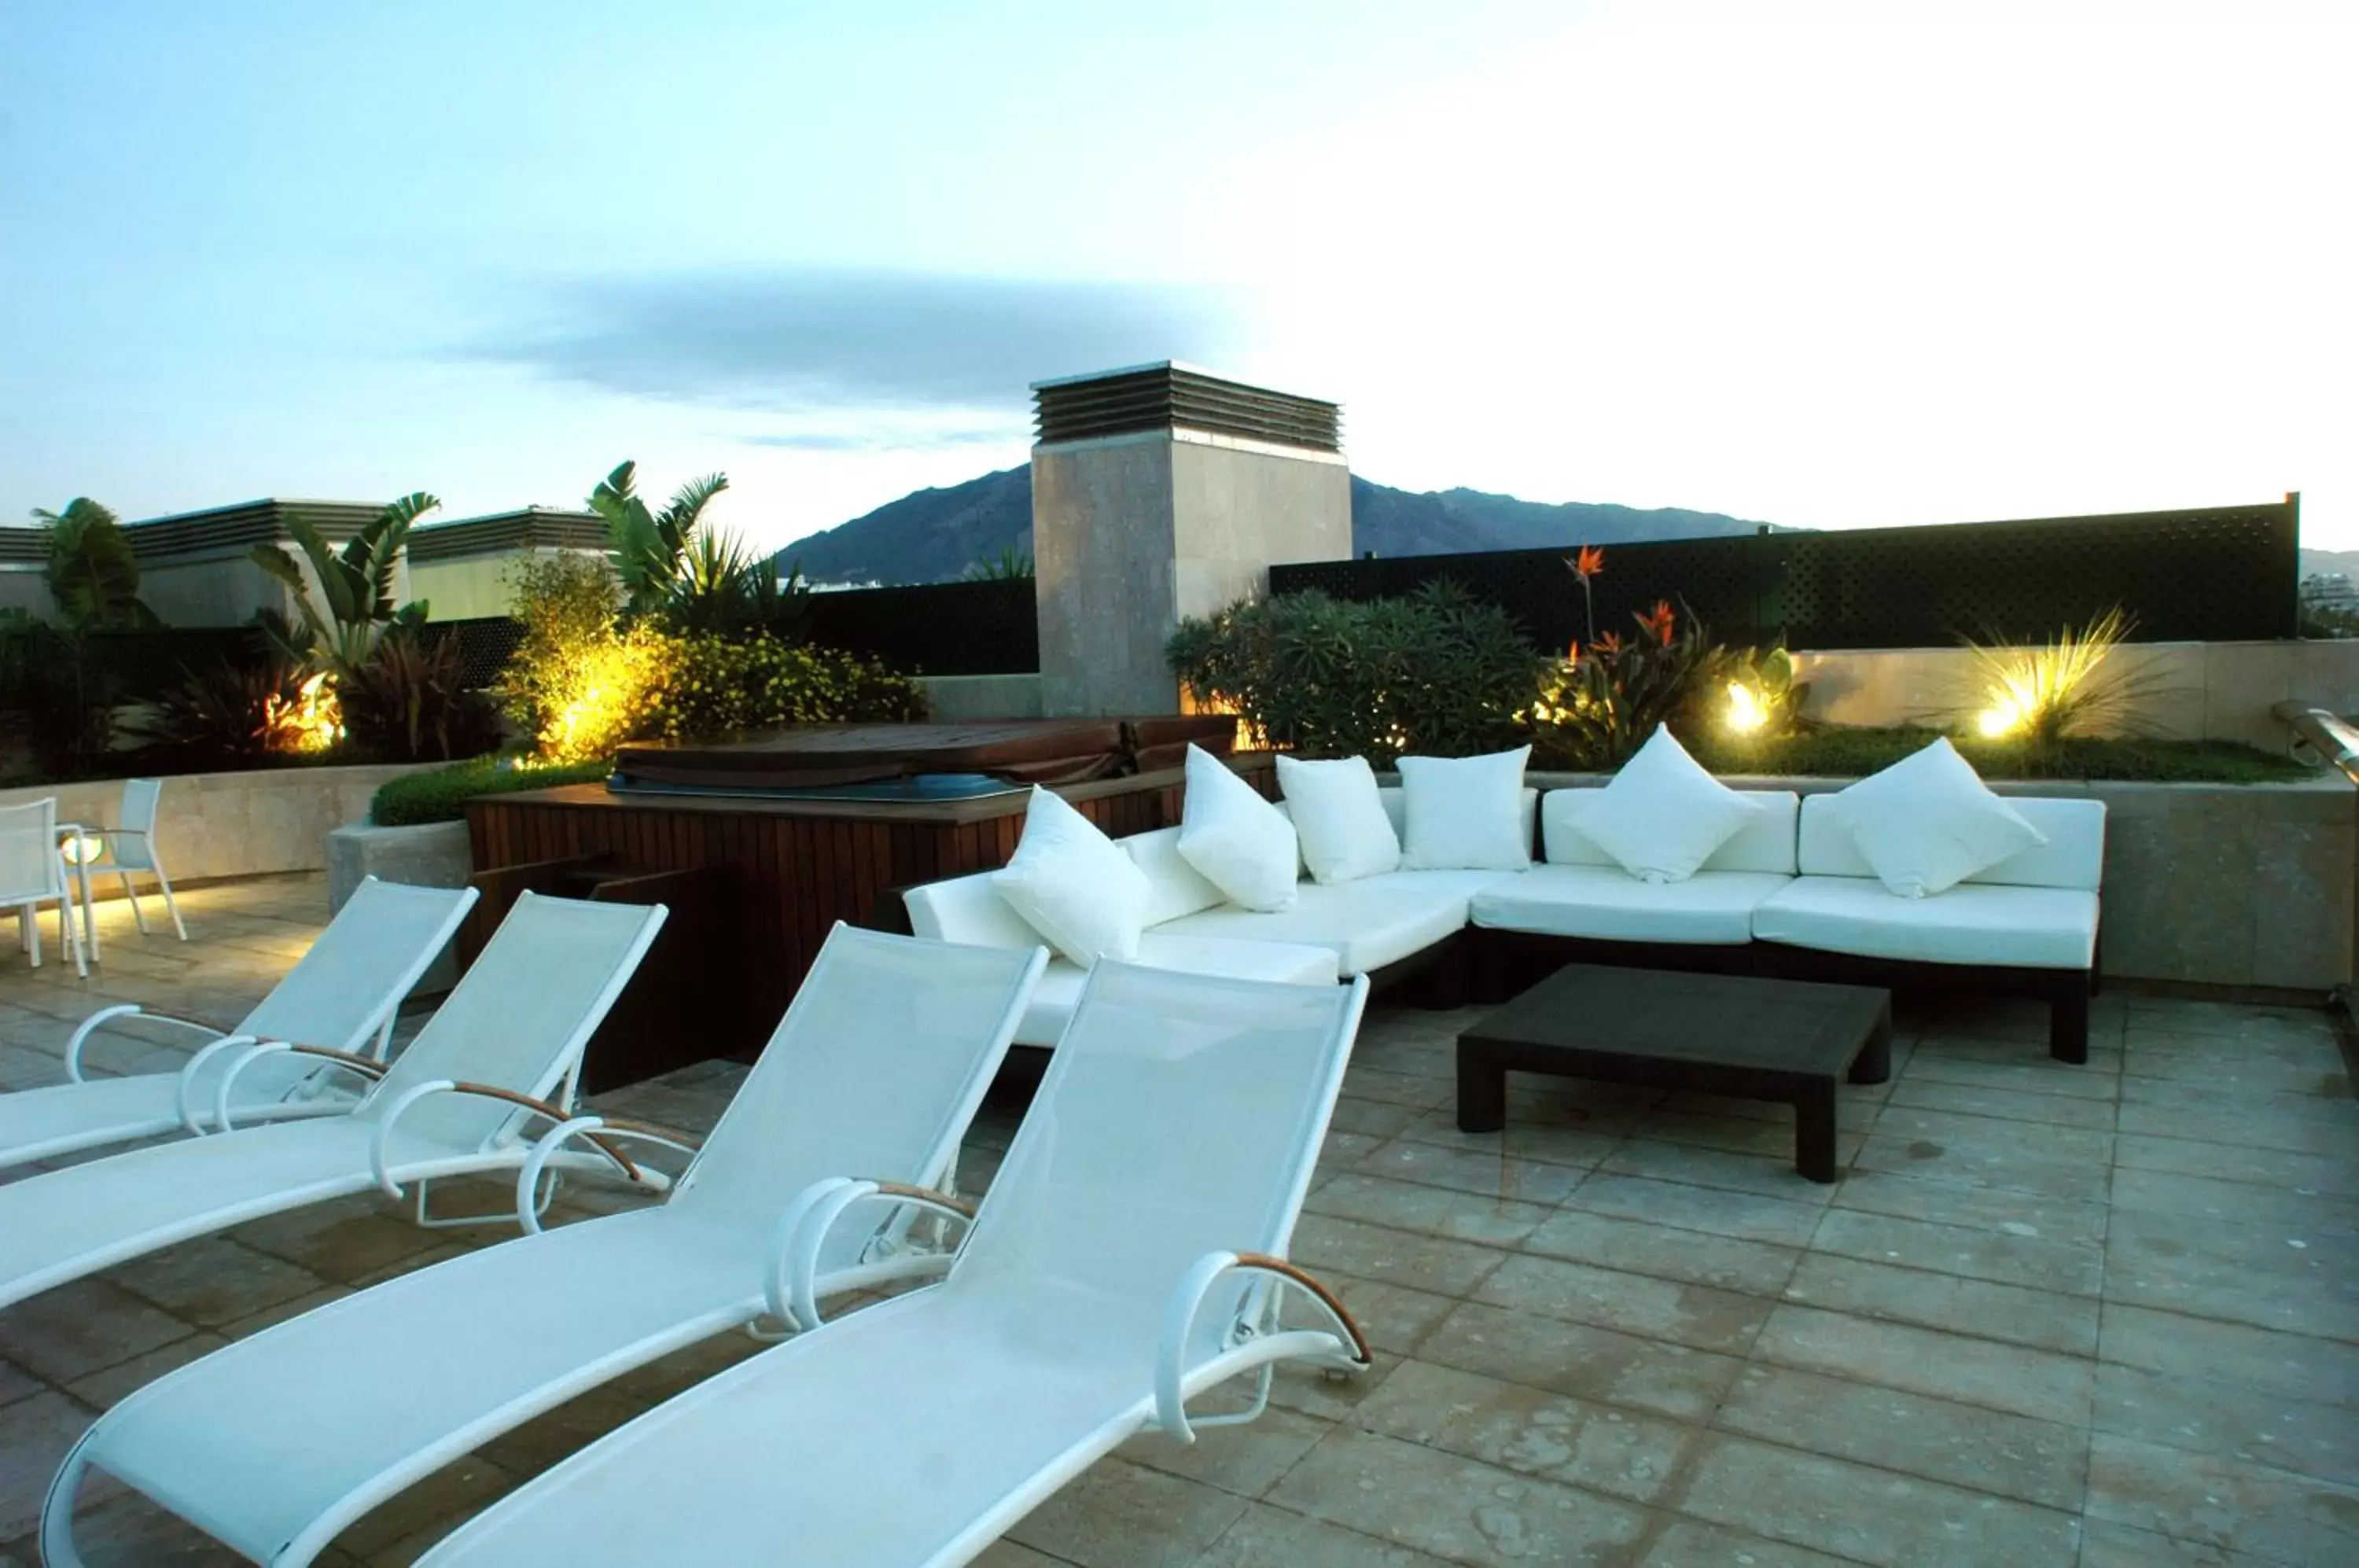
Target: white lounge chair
<point>513,1026</point>
<point>337,1003</point>
<point>277,1443</point>
<point>1096,1293</point>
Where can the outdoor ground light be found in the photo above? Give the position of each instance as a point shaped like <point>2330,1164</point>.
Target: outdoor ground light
<point>1746,712</point>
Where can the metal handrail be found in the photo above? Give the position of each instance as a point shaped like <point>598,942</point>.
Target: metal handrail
<point>2327,737</point>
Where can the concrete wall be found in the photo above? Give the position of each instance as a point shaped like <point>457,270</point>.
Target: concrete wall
<point>234,824</point>
<point>963,697</point>
<point>2245,885</point>
<point>1133,533</point>
<point>465,587</point>
<point>2205,690</point>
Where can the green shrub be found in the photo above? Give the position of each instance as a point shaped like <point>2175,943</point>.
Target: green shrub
<point>1434,673</point>
<point>408,702</point>
<point>440,794</point>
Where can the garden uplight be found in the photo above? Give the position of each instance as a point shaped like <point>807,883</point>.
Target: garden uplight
<point>1746,712</point>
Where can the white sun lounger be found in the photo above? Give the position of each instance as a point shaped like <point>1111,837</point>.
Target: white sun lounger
<point>277,1443</point>
<point>339,997</point>
<point>1097,1292</point>
<point>508,1036</point>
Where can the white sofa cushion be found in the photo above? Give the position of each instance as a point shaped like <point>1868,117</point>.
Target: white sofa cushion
<point>1394,801</point>
<point>1072,884</point>
<point>1927,823</point>
<point>1346,831</point>
<point>2073,856</point>
<point>966,910</point>
<point>1661,816</point>
<point>1059,990</point>
<point>1446,884</point>
<point>1234,839</point>
<point>1174,887</point>
<point>1766,841</point>
<point>1365,924</point>
<point>1973,922</point>
<point>1465,813</point>
<point>1606,903</point>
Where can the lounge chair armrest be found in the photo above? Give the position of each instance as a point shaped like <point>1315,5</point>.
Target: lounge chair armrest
<point>600,1130</point>
<point>88,1026</point>
<point>380,1149</point>
<point>360,1066</point>
<point>187,1088</point>
<point>792,1280</point>
<point>1180,1320</point>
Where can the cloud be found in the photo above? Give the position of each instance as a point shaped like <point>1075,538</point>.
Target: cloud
<point>893,436</point>
<point>834,343</point>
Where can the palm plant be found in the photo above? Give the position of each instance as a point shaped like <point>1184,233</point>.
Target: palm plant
<point>658,555</point>
<point>91,572</point>
<point>1012,564</point>
<point>339,630</point>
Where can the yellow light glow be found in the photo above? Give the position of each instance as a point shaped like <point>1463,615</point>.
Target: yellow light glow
<point>1745,713</point>
<point>81,849</point>
<point>1999,718</point>
<point>312,722</point>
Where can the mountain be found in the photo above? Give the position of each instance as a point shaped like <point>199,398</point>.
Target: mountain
<point>932,536</point>
<point>2345,561</point>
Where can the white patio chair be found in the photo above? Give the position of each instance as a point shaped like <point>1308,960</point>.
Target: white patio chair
<point>338,1002</point>
<point>516,1025</point>
<point>1128,1256</point>
<point>131,846</point>
<point>878,1065</point>
<point>33,874</point>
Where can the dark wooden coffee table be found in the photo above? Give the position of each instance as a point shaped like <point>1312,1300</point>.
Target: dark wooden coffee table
<point>1716,1034</point>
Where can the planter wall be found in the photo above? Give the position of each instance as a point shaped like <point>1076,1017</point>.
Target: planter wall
<point>234,824</point>
<point>2246,886</point>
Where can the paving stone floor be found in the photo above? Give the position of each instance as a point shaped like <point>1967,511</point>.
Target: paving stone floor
<point>2104,1315</point>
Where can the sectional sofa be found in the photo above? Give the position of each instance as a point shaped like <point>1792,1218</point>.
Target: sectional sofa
<point>1789,895</point>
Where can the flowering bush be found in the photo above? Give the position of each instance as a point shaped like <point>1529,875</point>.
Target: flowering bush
<point>714,685</point>
<point>583,682</point>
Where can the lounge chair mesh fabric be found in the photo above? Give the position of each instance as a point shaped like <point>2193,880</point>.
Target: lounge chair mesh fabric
<point>1181,1115</point>
<point>339,995</point>
<point>283,1438</point>
<point>518,1020</point>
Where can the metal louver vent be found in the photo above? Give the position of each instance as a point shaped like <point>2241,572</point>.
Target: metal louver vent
<point>1170,395</point>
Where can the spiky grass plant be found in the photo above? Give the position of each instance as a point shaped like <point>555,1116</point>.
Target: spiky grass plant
<point>2073,685</point>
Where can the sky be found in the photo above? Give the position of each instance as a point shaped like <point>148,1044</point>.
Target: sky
<point>1820,264</point>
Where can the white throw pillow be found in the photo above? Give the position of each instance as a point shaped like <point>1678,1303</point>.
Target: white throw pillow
<point>1073,885</point>
<point>1927,823</point>
<point>1341,819</point>
<point>1662,815</point>
<point>1235,840</point>
<point>1465,813</point>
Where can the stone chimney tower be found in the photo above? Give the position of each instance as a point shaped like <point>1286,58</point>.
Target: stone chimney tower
<point>1160,491</point>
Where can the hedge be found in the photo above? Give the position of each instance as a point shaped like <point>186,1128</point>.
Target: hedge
<point>440,794</point>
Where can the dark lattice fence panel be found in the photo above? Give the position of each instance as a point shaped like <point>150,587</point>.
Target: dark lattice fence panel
<point>2216,576</point>
<point>484,643</point>
<point>985,627</point>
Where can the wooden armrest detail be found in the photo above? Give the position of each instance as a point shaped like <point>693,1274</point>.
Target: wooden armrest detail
<point>367,1067</point>
<point>1327,1298</point>
<point>903,1190</point>
<point>652,1129</point>
<point>606,1146</point>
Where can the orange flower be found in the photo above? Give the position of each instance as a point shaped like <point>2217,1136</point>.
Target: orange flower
<point>1609,642</point>
<point>1658,621</point>
<point>1587,562</point>
<point>1573,651</point>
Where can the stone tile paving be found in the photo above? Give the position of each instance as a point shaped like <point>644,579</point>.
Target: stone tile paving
<point>2099,1316</point>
